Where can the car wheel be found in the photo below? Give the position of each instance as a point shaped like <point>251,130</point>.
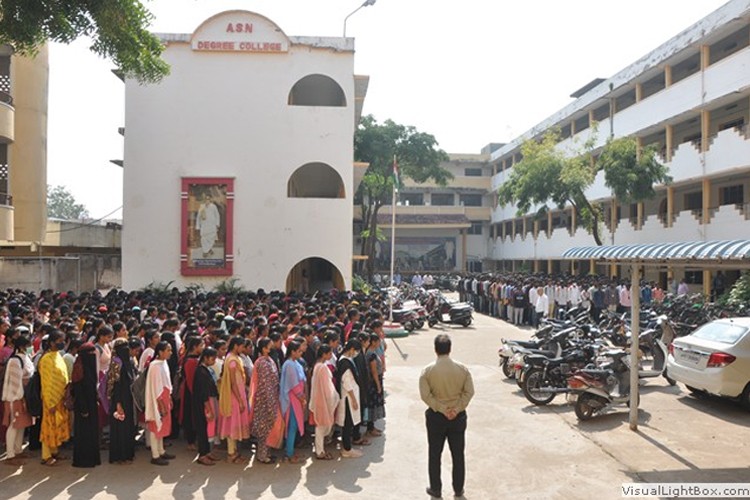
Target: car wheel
<point>696,392</point>
<point>745,398</point>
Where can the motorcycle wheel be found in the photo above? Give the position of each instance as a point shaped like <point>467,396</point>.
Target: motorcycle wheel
<point>408,326</point>
<point>420,324</point>
<point>584,409</point>
<point>534,380</point>
<point>465,322</point>
<point>431,322</point>
<point>507,371</point>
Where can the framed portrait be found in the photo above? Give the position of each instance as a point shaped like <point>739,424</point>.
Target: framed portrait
<point>207,226</point>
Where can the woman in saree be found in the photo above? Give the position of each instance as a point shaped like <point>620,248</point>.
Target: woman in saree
<point>18,372</point>
<point>292,397</point>
<point>204,405</point>
<point>264,399</point>
<point>193,348</point>
<point>55,429</point>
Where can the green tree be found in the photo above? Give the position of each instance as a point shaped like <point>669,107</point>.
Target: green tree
<point>118,29</point>
<point>547,175</point>
<point>62,205</point>
<point>418,158</point>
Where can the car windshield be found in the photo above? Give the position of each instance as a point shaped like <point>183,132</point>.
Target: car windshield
<point>720,331</point>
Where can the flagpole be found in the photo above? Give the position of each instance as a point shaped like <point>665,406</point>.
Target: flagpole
<point>393,238</point>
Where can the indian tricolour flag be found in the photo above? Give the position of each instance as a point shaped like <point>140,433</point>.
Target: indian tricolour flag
<point>395,174</point>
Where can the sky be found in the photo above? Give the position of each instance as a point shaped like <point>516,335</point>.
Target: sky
<point>469,72</point>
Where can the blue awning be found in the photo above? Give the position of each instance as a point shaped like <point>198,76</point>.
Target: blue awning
<point>729,250</point>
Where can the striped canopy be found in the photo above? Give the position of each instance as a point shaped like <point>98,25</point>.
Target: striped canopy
<point>730,250</point>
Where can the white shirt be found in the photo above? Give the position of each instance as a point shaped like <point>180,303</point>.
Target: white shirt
<point>146,355</point>
<point>542,304</point>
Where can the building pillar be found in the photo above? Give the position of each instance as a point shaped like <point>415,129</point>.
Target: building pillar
<point>705,57</point>
<point>705,129</point>
<point>670,205</point>
<point>705,216</point>
<point>613,215</point>
<point>591,118</point>
<point>592,266</point>
<point>536,266</point>
<point>667,76</point>
<point>573,268</point>
<point>523,236</point>
<point>502,230</point>
<point>463,250</point>
<point>572,128</point>
<point>613,270</point>
<point>536,229</point>
<point>639,215</point>
<point>669,134</point>
<point>572,221</point>
<point>549,223</point>
<point>513,265</point>
<point>707,283</point>
<point>638,92</point>
<point>638,147</point>
<point>549,266</point>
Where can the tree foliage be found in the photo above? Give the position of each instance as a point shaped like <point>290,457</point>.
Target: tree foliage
<point>548,175</point>
<point>418,158</point>
<point>118,29</point>
<point>62,205</point>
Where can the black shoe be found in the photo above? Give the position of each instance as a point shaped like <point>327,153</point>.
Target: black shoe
<point>433,493</point>
<point>167,456</point>
<point>159,461</point>
<point>459,494</point>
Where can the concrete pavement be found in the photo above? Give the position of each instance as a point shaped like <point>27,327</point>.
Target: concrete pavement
<point>514,449</point>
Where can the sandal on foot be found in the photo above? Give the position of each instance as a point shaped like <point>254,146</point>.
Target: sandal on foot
<point>266,461</point>
<point>294,459</point>
<point>204,460</point>
<point>375,433</point>
<point>362,442</point>
<point>235,459</point>
<point>50,462</point>
<point>324,456</point>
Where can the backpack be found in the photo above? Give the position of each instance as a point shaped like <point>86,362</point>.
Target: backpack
<point>138,390</point>
<point>33,395</point>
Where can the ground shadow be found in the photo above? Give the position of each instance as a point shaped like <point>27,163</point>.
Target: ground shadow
<point>722,408</point>
<point>613,418</point>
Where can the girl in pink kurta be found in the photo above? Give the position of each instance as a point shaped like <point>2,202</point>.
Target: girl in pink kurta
<point>159,403</point>
<point>323,401</point>
<point>234,417</point>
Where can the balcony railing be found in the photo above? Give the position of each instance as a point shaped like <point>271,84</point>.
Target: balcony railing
<point>6,199</point>
<point>6,98</point>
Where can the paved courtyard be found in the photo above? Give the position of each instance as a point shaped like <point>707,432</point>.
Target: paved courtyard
<point>514,450</point>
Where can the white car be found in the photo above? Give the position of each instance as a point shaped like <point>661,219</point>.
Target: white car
<point>714,359</point>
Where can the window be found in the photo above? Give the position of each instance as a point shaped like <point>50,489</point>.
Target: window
<point>694,277</point>
<point>471,200</point>
<point>473,172</point>
<point>474,266</point>
<point>694,201</point>
<point>731,195</point>
<point>315,180</point>
<point>443,199</point>
<point>738,123</point>
<point>412,198</point>
<point>476,228</point>
<point>317,90</point>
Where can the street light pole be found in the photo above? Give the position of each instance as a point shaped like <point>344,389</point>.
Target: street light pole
<point>366,3</point>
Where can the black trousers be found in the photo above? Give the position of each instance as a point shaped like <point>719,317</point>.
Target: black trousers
<point>439,428</point>
<point>348,430</point>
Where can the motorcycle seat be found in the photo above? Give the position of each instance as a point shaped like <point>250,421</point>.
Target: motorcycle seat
<point>539,355</point>
<point>595,372</point>
<point>529,344</point>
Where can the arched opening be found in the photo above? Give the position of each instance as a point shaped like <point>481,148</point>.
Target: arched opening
<point>317,90</point>
<point>315,180</point>
<point>314,274</point>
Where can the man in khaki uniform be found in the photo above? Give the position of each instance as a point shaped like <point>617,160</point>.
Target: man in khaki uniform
<point>446,388</point>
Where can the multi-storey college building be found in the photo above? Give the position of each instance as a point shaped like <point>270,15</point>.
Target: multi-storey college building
<point>239,164</point>
<point>23,148</point>
<point>691,98</point>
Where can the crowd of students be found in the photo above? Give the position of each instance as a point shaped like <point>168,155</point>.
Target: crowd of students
<point>260,371</point>
<point>523,299</point>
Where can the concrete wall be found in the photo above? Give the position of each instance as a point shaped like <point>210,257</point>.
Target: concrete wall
<point>225,114</point>
<point>77,273</point>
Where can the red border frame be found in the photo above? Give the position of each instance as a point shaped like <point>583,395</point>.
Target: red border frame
<point>228,268</point>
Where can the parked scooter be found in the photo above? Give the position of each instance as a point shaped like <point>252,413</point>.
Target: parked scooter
<point>459,313</point>
<point>596,389</point>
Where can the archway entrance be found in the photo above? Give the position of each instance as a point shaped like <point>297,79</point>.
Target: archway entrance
<point>314,274</point>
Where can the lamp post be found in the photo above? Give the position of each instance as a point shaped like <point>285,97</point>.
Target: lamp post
<point>366,3</point>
